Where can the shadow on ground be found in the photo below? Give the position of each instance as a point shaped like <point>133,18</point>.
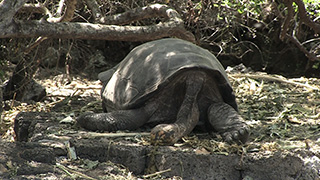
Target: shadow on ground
<point>284,144</point>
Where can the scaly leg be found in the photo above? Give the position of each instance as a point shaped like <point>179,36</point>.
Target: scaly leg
<point>226,120</point>
<point>112,121</point>
<point>187,117</point>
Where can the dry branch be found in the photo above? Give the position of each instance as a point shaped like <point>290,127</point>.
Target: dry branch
<point>271,78</point>
<point>173,27</point>
<point>8,9</point>
<point>115,135</point>
<point>70,172</point>
<point>97,14</point>
<point>35,8</point>
<point>155,10</point>
<point>68,15</point>
<point>304,19</point>
<point>295,41</point>
<point>92,31</point>
<point>287,20</point>
<point>70,8</point>
<point>156,173</point>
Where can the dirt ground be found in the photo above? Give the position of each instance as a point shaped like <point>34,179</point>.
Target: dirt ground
<point>283,114</point>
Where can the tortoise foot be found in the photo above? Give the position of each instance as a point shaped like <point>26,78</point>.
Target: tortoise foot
<point>239,135</point>
<point>165,134</point>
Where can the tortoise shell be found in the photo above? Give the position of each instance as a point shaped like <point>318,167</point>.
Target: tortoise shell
<point>148,68</point>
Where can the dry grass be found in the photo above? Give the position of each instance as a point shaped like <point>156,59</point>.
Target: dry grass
<point>283,114</point>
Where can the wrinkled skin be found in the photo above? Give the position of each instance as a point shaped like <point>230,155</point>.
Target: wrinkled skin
<point>196,94</point>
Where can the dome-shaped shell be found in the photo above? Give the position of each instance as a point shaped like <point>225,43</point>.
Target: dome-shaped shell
<point>152,65</point>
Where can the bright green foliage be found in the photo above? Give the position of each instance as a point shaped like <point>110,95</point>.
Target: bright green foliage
<point>312,7</point>
<point>242,6</point>
<point>254,7</point>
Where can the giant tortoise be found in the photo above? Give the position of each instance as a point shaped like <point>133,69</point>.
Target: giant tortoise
<point>173,85</point>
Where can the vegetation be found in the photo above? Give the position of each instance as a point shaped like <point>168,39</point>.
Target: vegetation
<point>238,31</point>
<point>264,35</point>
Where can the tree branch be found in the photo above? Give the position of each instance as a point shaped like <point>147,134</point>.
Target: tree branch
<point>287,20</point>
<point>93,31</point>
<point>155,10</point>
<point>35,8</point>
<point>304,17</point>
<point>60,8</point>
<point>8,9</point>
<point>174,27</point>
<point>295,41</point>
<point>68,14</point>
<point>98,16</point>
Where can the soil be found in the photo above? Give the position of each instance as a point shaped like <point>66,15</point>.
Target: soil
<point>41,141</point>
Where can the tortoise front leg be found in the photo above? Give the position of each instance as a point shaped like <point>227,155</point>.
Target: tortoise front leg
<point>113,121</point>
<point>226,120</point>
<point>187,117</point>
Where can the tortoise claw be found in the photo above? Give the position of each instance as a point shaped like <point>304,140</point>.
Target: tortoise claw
<point>164,134</point>
<point>239,136</point>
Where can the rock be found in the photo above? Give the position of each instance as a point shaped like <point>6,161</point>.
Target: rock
<point>197,166</point>
<point>126,153</point>
<point>278,165</point>
<point>25,159</point>
<point>45,143</point>
<point>51,58</point>
<point>97,60</point>
<point>32,91</point>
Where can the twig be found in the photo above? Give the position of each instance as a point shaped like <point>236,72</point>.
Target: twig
<point>94,134</point>
<point>156,173</point>
<point>276,79</point>
<point>61,100</point>
<point>63,168</point>
<point>295,41</point>
<point>69,171</point>
<point>34,44</point>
